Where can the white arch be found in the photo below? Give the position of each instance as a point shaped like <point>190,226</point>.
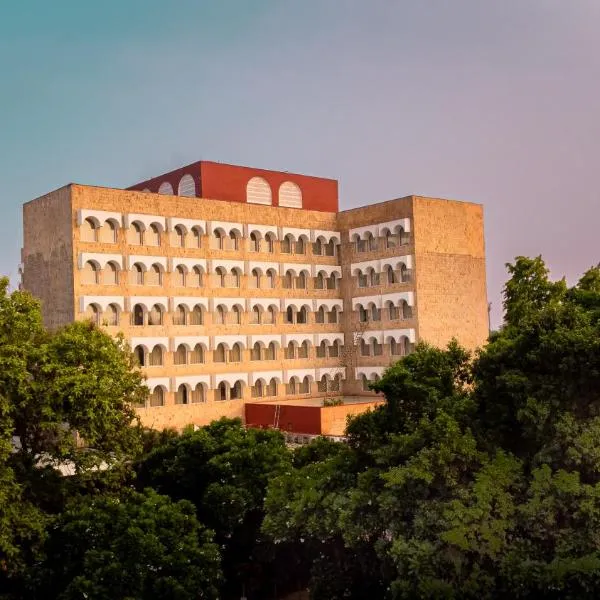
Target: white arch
<point>192,380</point>
<point>331,372</point>
<point>301,373</point>
<point>190,341</point>
<point>102,301</point>
<point>99,216</point>
<point>190,301</point>
<point>189,263</point>
<point>258,191</point>
<point>266,339</point>
<point>147,261</point>
<point>263,230</point>
<point>368,371</point>
<point>165,188</point>
<point>154,382</point>
<point>187,186</point>
<point>230,378</point>
<point>229,340</point>
<point>396,261</point>
<point>290,195</point>
<point>145,220</point>
<point>228,265</point>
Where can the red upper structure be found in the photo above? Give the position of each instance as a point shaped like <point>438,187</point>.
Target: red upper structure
<point>233,183</point>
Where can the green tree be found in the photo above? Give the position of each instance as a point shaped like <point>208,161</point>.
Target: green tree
<point>137,546</point>
<point>224,469</point>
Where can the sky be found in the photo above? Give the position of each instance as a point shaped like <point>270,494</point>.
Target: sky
<point>489,101</point>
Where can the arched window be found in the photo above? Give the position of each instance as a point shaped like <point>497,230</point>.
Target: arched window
<point>272,388</point>
<point>88,231</point>
<point>220,273</point>
<point>301,282</point>
<point>136,235</point>
<point>196,317</point>
<point>108,232</point>
<point>155,316</point>
<point>179,236</point>
<point>156,357</point>
<point>270,351</point>
<point>363,315</point>
<point>137,274</point>
<point>269,316</point>
<point>290,195</point>
<point>289,315</point>
<point>390,240</point>
<point>138,314</point>
<point>255,315</point>
<point>180,315</point>
<point>197,355</point>
<point>199,394</point>
<point>157,397</point>
<point>187,186</point>
<point>365,383</point>
<point>322,384</point>
<point>254,242</point>
<point>235,278</point>
<point>180,355</point>
<point>365,349</point>
<point>290,351</point>
<point>179,276</point>
<point>302,316</point>
<point>390,274</point>
<point>374,277</point>
<point>333,315</point>
<point>330,247</point>
<point>371,241</point>
<point>363,279</point>
<point>407,312</point>
<point>197,237</point>
<point>219,354</point>
<point>269,243</point>
<point>288,280</point>
<point>393,312</point>
<point>93,314</point>
<point>377,348</point>
<point>255,353</point>
<point>258,389</point>
<point>235,355</point>
<point>336,383</point>
<point>335,349</point>
<point>140,355</point>
<point>322,349</point>
<point>153,238</point>
<point>111,274</point>
<point>305,386</point>
<point>165,188</point>
<point>233,241</point>
<point>220,315</point>
<point>287,244</point>
<point>90,273</point>
<point>195,277</point>
<point>303,349</point>
<point>375,313</point>
<point>292,387</point>
<point>154,275</point>
<point>222,392</point>
<point>318,247</point>
<point>112,315</point>
<point>236,315</point>
<point>320,315</point>
<point>332,282</point>
<point>405,274</point>
<point>255,278</point>
<point>320,282</point>
<point>271,278</point>
<point>258,191</point>
<point>181,396</point>
<point>236,391</point>
<point>300,246</point>
<point>218,241</point>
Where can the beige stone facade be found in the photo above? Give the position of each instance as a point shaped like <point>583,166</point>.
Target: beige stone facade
<point>225,302</point>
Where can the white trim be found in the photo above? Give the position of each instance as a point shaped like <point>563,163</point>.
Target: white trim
<point>263,266</point>
<point>329,304</point>
<point>295,232</point>
<point>146,220</point>
<point>146,260</point>
<point>99,257</point>
<point>229,302</point>
<point>264,303</point>
<point>300,374</point>
<point>367,371</point>
<point>148,301</point>
<point>297,267</point>
<point>228,265</point>
<point>190,341</point>
<point>299,338</point>
<point>262,229</point>
<point>153,382</point>
<point>187,223</point>
<point>330,337</point>
<point>366,264</point>
<point>101,301</point>
<point>360,231</point>
<point>190,263</point>
<point>230,378</point>
<point>329,269</point>
<point>266,339</point>
<point>328,235</point>
<point>150,342</point>
<point>100,215</point>
<point>190,301</point>
<point>331,371</point>
<point>266,375</point>
<point>365,300</point>
<point>230,340</point>
<point>299,302</point>
<point>192,381</point>
<point>397,297</point>
<point>404,223</point>
<point>393,261</point>
<point>398,333</point>
<point>227,226</point>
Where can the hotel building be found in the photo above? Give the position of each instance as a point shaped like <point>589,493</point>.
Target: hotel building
<point>239,286</point>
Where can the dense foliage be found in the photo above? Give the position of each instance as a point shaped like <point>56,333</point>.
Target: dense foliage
<point>479,477</point>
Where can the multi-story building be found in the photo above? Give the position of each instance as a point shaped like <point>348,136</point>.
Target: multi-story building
<point>235,284</point>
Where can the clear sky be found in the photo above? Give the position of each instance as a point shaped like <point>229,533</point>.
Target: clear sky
<point>492,101</point>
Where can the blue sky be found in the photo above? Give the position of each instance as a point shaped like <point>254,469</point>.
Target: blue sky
<point>491,101</point>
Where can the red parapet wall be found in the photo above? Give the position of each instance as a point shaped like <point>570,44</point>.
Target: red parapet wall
<point>219,181</point>
<point>295,419</point>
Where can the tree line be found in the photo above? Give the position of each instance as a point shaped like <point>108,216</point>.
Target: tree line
<point>479,477</point>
